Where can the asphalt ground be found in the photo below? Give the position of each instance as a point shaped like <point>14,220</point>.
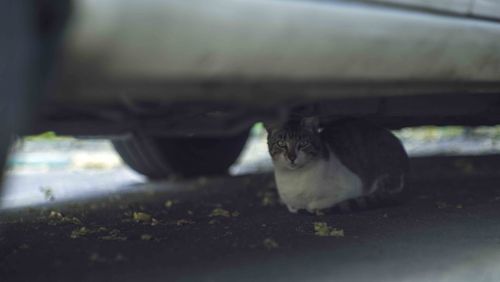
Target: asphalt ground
<point>234,229</point>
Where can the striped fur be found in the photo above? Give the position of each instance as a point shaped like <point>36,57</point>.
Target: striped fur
<point>348,165</point>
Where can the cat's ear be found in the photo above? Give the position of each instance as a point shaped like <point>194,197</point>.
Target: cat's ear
<point>310,123</point>
<point>270,126</point>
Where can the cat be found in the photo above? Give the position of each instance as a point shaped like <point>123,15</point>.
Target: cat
<point>319,168</point>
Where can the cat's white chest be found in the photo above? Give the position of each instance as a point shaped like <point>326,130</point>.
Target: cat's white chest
<point>319,185</point>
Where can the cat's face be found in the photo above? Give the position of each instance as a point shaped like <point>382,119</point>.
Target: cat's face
<point>295,144</point>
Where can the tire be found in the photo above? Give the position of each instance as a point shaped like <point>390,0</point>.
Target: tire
<point>162,157</point>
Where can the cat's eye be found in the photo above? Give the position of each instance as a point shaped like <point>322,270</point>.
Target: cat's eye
<point>303,144</point>
<point>281,143</point>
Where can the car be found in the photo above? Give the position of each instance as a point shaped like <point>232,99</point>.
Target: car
<point>177,84</point>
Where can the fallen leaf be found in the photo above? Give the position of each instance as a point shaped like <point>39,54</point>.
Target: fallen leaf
<point>79,232</point>
<point>142,217</point>
<point>270,243</point>
<point>181,222</point>
<point>168,204</point>
<point>220,212</point>
<point>322,229</point>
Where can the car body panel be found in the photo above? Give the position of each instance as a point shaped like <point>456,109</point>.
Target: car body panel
<point>488,9</point>
<point>164,50</point>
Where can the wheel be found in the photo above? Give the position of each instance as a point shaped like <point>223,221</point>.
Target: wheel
<point>161,157</point>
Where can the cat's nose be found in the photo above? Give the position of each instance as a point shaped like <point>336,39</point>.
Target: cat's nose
<point>292,157</point>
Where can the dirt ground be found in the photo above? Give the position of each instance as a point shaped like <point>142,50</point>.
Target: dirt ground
<point>234,229</point>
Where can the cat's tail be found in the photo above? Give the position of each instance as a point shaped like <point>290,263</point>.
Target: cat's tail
<point>388,184</point>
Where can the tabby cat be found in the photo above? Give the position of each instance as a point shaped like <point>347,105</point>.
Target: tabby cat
<point>320,168</point>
